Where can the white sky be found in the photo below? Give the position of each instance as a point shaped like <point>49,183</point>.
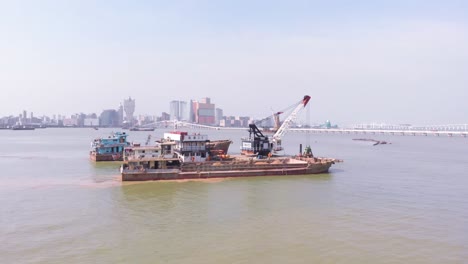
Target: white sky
<point>360,61</point>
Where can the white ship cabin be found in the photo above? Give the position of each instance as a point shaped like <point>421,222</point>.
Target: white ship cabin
<point>163,150</point>
<point>189,147</point>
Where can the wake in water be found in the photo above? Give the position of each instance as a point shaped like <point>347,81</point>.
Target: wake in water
<point>22,157</point>
<point>86,182</point>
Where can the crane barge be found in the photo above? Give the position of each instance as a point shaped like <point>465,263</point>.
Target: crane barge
<point>261,145</point>
<point>185,156</point>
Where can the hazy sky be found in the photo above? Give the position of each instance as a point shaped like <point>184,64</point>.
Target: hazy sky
<point>398,61</point>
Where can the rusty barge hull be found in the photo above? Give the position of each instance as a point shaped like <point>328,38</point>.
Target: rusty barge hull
<point>229,169</point>
<point>105,157</point>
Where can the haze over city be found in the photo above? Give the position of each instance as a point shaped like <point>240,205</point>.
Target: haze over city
<point>360,61</point>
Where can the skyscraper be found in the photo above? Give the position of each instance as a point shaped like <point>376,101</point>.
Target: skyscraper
<point>191,112</point>
<point>121,114</point>
<point>178,110</point>
<point>218,115</point>
<point>129,108</point>
<point>183,111</point>
<point>109,118</point>
<point>204,111</point>
<point>174,110</point>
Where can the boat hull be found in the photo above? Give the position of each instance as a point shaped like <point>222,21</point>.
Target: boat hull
<point>106,157</point>
<point>219,146</point>
<point>109,148</point>
<point>226,169</point>
<point>141,129</point>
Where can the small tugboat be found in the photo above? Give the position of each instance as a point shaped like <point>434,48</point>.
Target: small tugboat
<point>110,148</point>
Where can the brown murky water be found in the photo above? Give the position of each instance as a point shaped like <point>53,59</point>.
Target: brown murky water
<point>399,203</point>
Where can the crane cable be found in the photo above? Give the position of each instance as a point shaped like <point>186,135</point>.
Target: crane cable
<point>258,122</point>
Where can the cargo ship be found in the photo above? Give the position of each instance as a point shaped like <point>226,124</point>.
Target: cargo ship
<point>110,148</point>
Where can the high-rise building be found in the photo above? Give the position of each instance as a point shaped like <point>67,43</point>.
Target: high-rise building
<point>25,117</point>
<point>218,115</point>
<point>121,114</point>
<point>165,116</point>
<point>178,110</point>
<point>235,121</point>
<point>109,118</point>
<point>204,112</point>
<point>183,111</point>
<point>174,110</point>
<point>191,112</point>
<point>129,108</point>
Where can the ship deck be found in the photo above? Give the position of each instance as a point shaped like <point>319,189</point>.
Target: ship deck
<point>239,166</point>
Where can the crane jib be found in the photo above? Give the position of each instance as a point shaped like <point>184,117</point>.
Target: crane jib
<point>305,100</point>
<point>262,145</point>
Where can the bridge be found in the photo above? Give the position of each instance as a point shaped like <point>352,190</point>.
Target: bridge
<point>381,132</point>
<point>460,130</point>
<point>179,124</point>
<point>404,127</point>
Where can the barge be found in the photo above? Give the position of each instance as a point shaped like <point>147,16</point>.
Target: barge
<point>182,156</point>
<point>141,129</point>
<point>22,127</point>
<point>171,169</point>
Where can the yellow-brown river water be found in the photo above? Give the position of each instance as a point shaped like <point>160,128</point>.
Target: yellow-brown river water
<point>405,202</point>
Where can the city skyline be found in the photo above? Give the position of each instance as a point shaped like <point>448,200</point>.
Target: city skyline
<point>395,62</point>
<point>221,119</point>
<point>202,111</point>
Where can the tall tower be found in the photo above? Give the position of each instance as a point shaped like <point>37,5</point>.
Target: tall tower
<point>179,110</point>
<point>191,115</point>
<point>121,114</point>
<point>183,111</point>
<point>174,110</point>
<point>218,115</point>
<point>25,116</point>
<point>129,108</point>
